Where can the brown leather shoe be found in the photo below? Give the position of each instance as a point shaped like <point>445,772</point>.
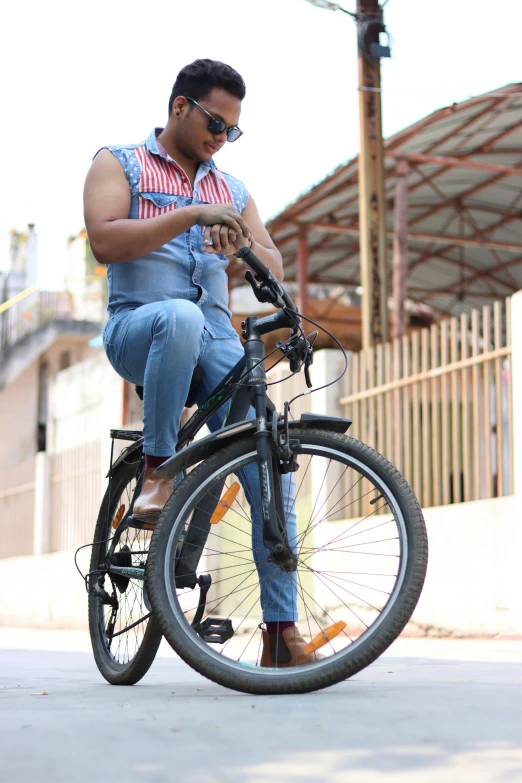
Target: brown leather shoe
<point>289,650</point>
<point>153,496</point>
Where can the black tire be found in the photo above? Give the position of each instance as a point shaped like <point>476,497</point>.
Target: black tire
<point>128,665</point>
<point>406,513</point>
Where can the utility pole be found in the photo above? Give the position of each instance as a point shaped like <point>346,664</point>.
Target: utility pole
<point>372,209</point>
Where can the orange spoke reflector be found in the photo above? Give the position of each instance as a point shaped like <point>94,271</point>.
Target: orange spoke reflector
<point>324,637</point>
<point>119,516</point>
<point>225,503</point>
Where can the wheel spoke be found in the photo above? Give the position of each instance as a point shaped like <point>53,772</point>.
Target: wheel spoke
<point>132,616</point>
<point>351,565</point>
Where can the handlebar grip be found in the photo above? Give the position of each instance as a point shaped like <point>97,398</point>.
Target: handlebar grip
<point>264,274</point>
<point>255,263</point>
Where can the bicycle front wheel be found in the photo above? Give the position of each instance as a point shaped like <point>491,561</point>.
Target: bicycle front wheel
<point>362,553</point>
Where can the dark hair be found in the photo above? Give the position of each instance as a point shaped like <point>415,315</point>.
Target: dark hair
<point>197,79</point>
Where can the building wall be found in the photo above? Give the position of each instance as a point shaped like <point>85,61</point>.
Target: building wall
<point>473,586</point>
<point>86,402</point>
<point>19,400</point>
<point>18,418</point>
<point>474,579</point>
<point>77,347</point>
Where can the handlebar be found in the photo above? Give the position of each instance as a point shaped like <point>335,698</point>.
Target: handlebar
<point>264,275</point>
<point>271,290</point>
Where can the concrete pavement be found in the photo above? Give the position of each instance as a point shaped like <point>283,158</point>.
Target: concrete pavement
<point>429,711</point>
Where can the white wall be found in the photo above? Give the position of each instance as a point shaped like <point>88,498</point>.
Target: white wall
<point>18,418</point>
<point>474,580</point>
<point>49,592</point>
<point>86,402</point>
<point>473,586</point>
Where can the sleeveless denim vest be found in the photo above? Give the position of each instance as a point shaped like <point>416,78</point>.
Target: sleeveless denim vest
<point>179,269</point>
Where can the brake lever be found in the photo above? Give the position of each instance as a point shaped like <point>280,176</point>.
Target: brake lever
<point>309,360</point>
<point>261,291</point>
<point>251,278</point>
<point>307,374</point>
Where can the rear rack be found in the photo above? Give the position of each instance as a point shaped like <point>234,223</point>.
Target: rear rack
<point>126,434</point>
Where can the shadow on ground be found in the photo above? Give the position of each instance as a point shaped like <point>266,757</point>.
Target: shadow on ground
<point>402,719</point>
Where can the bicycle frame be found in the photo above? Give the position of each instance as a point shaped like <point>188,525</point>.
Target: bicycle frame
<point>242,372</point>
<point>246,385</point>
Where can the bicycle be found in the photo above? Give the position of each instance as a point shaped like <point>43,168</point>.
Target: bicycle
<point>344,493</point>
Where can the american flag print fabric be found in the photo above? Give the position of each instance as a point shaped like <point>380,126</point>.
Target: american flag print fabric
<point>162,180</point>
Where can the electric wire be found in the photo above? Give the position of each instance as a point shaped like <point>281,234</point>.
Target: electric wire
<point>345,357</point>
<point>94,543</point>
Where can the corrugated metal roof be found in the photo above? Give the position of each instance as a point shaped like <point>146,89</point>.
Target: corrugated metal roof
<point>468,211</point>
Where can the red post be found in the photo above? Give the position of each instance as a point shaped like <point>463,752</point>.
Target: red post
<point>302,271</point>
<point>400,249</point>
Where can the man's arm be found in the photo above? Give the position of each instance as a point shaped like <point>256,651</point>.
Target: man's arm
<point>227,242</point>
<point>116,239</point>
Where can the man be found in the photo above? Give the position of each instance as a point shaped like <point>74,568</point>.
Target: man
<point>164,219</point>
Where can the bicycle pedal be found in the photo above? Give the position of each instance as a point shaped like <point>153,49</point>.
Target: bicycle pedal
<point>104,597</point>
<point>139,525</point>
<point>216,630</point>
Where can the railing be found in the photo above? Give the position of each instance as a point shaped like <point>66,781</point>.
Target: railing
<point>75,495</point>
<point>29,311</point>
<point>438,404</point>
<point>30,314</point>
<point>17,486</point>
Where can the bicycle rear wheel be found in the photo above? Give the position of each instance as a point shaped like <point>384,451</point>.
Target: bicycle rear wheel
<point>362,555</point>
<point>125,636</point>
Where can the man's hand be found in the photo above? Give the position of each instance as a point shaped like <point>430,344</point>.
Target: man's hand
<point>221,239</point>
<point>227,239</point>
<point>215,215</point>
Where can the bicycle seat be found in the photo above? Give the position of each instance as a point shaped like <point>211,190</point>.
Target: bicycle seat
<point>197,377</point>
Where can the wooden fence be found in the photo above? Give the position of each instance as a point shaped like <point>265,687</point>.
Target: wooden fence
<point>75,495</point>
<point>439,404</point>
<point>17,486</point>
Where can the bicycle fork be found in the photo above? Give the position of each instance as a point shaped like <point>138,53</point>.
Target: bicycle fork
<point>272,510</point>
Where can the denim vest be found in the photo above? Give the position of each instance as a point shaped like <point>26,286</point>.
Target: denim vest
<point>179,269</point>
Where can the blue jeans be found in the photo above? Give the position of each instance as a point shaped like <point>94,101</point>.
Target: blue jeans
<point>158,346</point>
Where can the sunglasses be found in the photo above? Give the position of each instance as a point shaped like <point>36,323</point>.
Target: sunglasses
<point>217,126</point>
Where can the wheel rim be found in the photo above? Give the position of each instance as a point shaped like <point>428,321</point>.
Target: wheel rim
<point>327,602</point>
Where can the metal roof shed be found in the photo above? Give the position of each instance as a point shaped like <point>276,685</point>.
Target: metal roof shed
<point>464,209</point>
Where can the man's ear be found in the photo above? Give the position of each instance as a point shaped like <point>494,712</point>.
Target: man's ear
<point>180,106</point>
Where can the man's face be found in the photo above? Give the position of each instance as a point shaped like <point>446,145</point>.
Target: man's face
<point>193,137</point>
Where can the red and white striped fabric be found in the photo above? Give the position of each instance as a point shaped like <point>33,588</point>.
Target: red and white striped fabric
<point>213,189</point>
<point>159,175</point>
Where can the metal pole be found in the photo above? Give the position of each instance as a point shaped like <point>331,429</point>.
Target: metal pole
<point>302,271</point>
<point>372,216</point>
<point>400,249</point>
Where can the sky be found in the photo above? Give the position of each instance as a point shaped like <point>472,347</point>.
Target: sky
<point>79,75</point>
